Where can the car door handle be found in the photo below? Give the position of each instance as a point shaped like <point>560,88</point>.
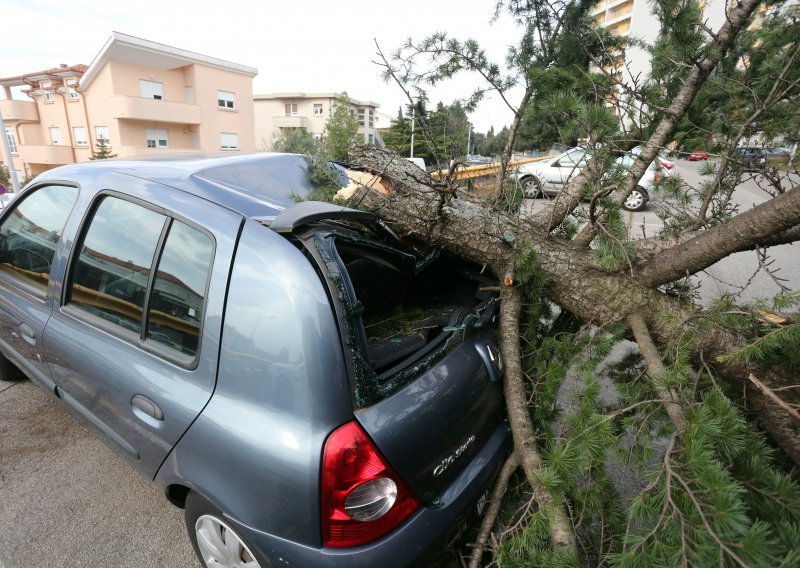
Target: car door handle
<point>147,406</point>
<point>27,334</point>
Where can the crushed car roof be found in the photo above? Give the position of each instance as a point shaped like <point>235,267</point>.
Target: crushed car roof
<point>256,185</point>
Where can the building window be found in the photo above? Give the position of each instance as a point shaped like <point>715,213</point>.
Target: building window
<point>372,139</point>
<point>317,110</point>
<point>101,133</point>
<point>72,93</point>
<point>371,118</point>
<point>157,138</point>
<point>12,141</point>
<point>226,100</point>
<point>79,136</point>
<point>291,109</point>
<point>47,92</point>
<point>151,89</point>
<point>361,117</point>
<point>228,141</point>
<point>55,135</point>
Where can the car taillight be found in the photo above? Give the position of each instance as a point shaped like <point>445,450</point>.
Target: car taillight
<point>362,497</point>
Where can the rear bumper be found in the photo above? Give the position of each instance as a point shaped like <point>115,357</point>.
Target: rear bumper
<point>414,538</point>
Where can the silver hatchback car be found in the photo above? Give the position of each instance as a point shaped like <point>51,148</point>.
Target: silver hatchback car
<point>313,389</point>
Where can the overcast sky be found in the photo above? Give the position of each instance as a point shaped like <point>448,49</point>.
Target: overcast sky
<point>307,46</point>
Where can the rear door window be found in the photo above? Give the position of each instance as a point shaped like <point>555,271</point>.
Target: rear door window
<point>179,290</point>
<point>113,269</point>
<point>135,262</point>
<point>29,234</point>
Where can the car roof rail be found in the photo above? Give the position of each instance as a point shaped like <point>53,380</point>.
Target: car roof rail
<point>307,212</point>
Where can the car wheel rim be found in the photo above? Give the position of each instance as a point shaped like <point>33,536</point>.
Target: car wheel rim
<point>530,188</point>
<point>634,200</point>
<point>220,546</point>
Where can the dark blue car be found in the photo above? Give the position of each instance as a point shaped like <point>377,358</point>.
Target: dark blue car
<point>311,388</point>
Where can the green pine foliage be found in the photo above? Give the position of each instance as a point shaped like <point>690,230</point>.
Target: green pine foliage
<point>103,151</point>
<point>341,130</point>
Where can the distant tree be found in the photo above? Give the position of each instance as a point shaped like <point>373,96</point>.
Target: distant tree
<point>296,141</point>
<point>341,130</point>
<point>5,178</point>
<point>103,151</point>
<point>398,136</point>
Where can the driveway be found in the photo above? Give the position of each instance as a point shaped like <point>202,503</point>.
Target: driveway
<point>67,501</point>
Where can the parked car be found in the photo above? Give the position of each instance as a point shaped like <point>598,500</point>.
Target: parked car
<point>311,390</point>
<point>551,175</point>
<point>666,163</point>
<point>698,155</point>
<point>750,156</point>
<point>779,151</point>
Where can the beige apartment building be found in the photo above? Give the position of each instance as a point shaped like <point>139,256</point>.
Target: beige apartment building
<point>634,18</point>
<point>141,97</point>
<point>276,112</point>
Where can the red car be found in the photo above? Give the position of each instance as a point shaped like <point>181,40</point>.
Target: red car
<point>698,155</point>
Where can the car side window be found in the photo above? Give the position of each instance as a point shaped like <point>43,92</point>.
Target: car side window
<point>116,256</point>
<point>572,158</point>
<point>176,304</point>
<point>29,234</point>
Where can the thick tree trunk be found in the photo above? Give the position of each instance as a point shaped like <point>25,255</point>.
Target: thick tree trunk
<point>577,283</point>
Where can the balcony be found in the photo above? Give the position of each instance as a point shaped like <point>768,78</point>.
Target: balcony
<point>46,154</point>
<point>290,122</point>
<point>22,111</point>
<point>154,110</point>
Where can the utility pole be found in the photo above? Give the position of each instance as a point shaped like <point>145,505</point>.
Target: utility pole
<point>7,156</point>
<point>412,132</point>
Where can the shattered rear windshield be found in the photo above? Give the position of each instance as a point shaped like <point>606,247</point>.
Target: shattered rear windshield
<point>402,312</point>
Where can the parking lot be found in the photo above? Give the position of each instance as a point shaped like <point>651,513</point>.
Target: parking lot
<point>67,501</point>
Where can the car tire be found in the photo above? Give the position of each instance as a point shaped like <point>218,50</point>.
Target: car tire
<point>636,200</point>
<point>214,541</point>
<point>9,371</point>
<point>531,187</point>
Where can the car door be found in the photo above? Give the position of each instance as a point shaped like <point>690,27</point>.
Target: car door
<point>569,165</point>
<point>30,245</point>
<point>133,344</point>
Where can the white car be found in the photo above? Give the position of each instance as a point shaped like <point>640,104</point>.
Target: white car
<point>5,198</point>
<point>551,175</point>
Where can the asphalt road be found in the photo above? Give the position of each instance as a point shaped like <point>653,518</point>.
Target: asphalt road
<point>737,274</point>
<point>67,501</point>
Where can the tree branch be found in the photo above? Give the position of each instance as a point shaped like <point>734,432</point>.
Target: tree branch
<point>493,509</point>
<point>746,230</point>
<point>737,18</point>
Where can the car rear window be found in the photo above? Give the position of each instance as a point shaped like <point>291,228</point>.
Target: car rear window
<point>403,312</point>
